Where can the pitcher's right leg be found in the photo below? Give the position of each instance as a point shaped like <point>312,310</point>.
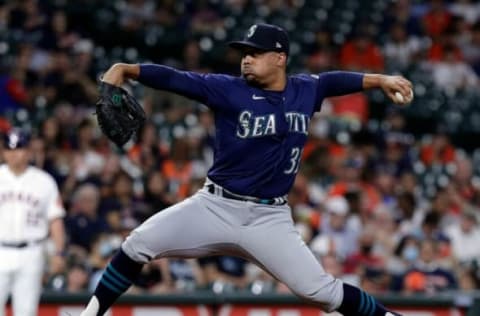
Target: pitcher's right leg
<point>195,227</point>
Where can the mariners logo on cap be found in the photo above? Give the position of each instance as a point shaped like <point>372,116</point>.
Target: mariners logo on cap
<point>251,30</point>
<point>265,37</point>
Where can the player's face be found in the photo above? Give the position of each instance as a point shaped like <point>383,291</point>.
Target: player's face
<point>258,66</point>
<point>16,158</point>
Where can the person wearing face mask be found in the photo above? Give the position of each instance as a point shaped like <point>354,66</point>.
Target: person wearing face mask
<point>403,258</point>
<point>410,253</point>
<point>427,274</point>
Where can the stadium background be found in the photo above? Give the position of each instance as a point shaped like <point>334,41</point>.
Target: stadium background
<point>387,197</point>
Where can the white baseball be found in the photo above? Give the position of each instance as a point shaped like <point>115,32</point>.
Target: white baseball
<point>401,99</point>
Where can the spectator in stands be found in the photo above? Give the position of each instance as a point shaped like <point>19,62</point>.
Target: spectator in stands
<point>136,14</point>
<point>401,50</point>
<point>439,150</point>
<point>427,275</point>
<point>205,18</point>
<point>187,274</point>
<point>437,19</point>
<point>123,203</point>
<point>385,229</point>
<point>146,152</point>
<point>13,94</point>
<point>451,74</point>
<point>471,49</point>
<point>461,180</point>
<point>465,237</point>
<point>333,265</point>
<point>375,280</point>
<point>467,9</point>
<point>156,194</point>
<point>88,161</point>
<point>404,256</point>
<point>224,273</point>
<point>168,13</point>
<point>335,231</point>
<point>365,256</point>
<point>27,16</point>
<point>58,35</point>
<point>77,278</point>
<point>178,169</point>
<point>361,53</point>
<point>401,12</point>
<point>445,44</point>
<point>408,214</point>
<point>394,158</point>
<point>351,178</point>
<point>467,281</point>
<point>83,223</point>
<point>322,52</point>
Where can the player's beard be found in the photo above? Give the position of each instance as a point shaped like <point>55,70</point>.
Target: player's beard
<point>251,78</point>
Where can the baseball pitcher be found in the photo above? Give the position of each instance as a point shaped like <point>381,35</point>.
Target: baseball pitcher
<point>261,121</point>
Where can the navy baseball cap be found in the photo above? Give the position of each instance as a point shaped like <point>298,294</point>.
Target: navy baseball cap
<point>15,139</point>
<point>265,37</point>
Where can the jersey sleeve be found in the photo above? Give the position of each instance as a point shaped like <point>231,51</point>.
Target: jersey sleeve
<point>54,202</point>
<point>337,83</point>
<point>205,88</point>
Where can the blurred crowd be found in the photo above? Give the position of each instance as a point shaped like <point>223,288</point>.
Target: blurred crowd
<point>381,202</point>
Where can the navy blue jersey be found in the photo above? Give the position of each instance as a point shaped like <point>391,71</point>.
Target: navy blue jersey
<point>260,134</point>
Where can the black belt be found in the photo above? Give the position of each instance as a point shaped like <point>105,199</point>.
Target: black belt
<point>217,190</point>
<point>20,244</point>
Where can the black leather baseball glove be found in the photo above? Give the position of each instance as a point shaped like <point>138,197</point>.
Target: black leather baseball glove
<point>118,113</point>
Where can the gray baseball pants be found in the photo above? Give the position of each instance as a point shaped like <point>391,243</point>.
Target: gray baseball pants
<point>207,224</point>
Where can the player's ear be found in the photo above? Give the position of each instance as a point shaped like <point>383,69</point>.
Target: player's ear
<point>282,59</point>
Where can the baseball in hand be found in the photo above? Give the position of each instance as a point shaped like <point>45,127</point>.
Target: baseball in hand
<point>402,99</point>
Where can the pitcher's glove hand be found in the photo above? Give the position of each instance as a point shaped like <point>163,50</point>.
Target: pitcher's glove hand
<point>118,113</point>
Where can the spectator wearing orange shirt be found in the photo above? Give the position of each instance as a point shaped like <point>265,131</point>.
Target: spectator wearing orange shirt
<point>437,19</point>
<point>178,169</point>
<point>361,53</point>
<point>428,276</point>
<point>146,153</point>
<point>350,179</point>
<point>438,151</point>
<point>444,45</point>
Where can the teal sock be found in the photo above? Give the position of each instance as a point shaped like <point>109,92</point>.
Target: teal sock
<point>119,275</point>
<point>359,303</point>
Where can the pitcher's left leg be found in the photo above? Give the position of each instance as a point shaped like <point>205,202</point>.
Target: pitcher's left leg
<point>272,241</point>
<point>277,247</point>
